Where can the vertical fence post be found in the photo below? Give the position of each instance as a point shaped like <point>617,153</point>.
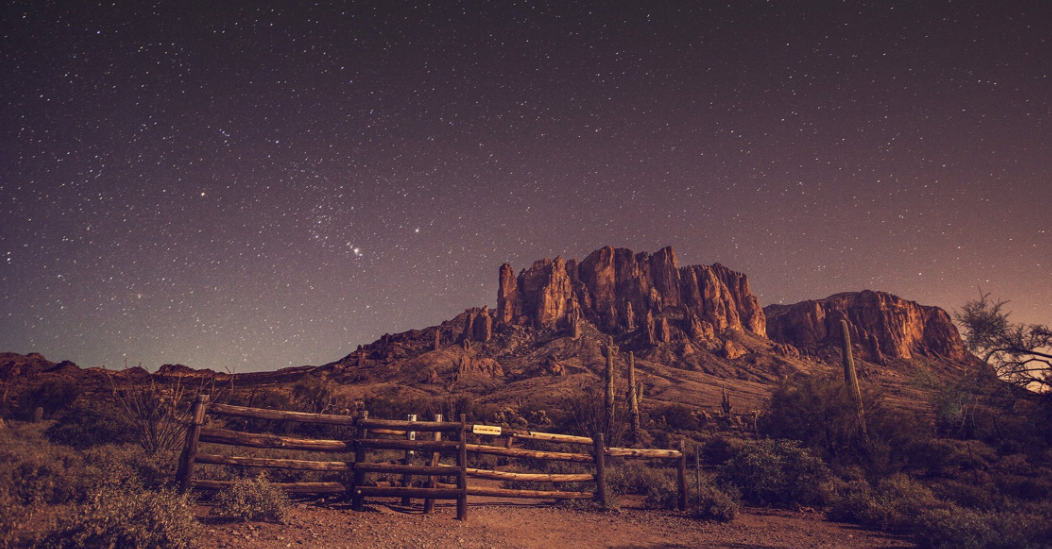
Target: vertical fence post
<point>697,471</point>
<point>407,479</point>
<point>462,474</point>
<point>359,457</point>
<point>682,475</point>
<point>600,470</point>
<point>193,433</point>
<point>432,481</point>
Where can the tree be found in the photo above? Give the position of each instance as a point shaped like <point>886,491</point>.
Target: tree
<point>1018,353</point>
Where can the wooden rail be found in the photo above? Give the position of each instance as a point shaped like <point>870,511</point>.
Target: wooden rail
<point>368,437</point>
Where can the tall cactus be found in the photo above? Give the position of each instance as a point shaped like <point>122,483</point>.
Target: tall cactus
<point>850,378</point>
<point>610,350</point>
<point>633,394</point>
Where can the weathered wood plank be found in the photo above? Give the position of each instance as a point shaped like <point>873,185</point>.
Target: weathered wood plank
<point>530,477</point>
<point>644,453</point>
<point>426,426</point>
<point>259,413</point>
<point>535,454</point>
<point>256,440</point>
<point>530,494</point>
<point>338,466</point>
<point>550,437</point>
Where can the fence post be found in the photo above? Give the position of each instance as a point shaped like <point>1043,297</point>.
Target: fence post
<point>359,457</point>
<point>682,475</point>
<point>462,474</point>
<point>432,482</point>
<point>193,433</point>
<point>600,470</point>
<point>407,479</point>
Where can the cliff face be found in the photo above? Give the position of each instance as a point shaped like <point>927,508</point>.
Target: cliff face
<point>882,325</point>
<point>620,292</point>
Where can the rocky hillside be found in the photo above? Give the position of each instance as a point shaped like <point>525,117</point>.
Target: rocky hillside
<point>694,332</point>
<point>885,326</point>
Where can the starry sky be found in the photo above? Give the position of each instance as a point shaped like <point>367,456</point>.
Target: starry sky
<point>246,186</point>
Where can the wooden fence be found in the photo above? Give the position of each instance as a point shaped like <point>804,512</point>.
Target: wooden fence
<point>369,436</point>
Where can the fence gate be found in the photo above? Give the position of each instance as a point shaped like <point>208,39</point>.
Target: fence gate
<point>368,438</point>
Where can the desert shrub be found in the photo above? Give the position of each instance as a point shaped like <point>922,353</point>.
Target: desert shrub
<point>126,518</point>
<point>892,506</point>
<point>718,450</point>
<point>817,411</point>
<point>777,472</point>
<point>633,477</point>
<point>87,424</point>
<point>52,395</point>
<point>661,488</point>
<point>253,499</point>
<point>156,414</point>
<point>713,503</point>
<point>952,527</point>
<point>677,416</point>
<point>33,472</point>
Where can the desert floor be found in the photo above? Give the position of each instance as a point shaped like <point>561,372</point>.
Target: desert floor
<point>511,526</point>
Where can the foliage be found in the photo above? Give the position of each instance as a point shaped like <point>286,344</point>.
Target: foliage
<point>587,409</point>
<point>90,423</point>
<point>661,489</point>
<point>951,527</point>
<point>35,473</point>
<point>115,517</point>
<point>156,414</point>
<point>891,506</point>
<point>676,416</point>
<point>253,499</point>
<point>52,395</point>
<point>1017,353</point>
<point>778,473</point>
<point>316,395</point>
<point>817,411</point>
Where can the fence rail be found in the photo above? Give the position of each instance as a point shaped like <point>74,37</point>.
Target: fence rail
<point>446,438</point>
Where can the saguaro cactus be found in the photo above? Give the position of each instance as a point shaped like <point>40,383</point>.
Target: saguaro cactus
<point>633,394</point>
<point>850,378</point>
<point>610,350</point>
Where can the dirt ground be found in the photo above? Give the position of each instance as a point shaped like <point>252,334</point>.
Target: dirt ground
<point>532,526</point>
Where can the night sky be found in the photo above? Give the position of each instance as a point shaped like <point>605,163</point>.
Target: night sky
<point>252,185</point>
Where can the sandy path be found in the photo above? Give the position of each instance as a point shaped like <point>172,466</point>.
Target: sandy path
<point>539,526</point>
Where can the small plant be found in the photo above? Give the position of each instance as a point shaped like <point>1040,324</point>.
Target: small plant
<point>127,518</point>
<point>253,499</point>
<point>777,472</point>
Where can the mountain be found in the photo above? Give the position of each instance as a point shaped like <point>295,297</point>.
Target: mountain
<point>695,332</point>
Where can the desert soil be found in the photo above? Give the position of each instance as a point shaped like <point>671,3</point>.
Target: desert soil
<point>512,526</point>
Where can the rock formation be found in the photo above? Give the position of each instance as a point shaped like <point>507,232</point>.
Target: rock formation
<point>882,326</point>
<point>619,292</point>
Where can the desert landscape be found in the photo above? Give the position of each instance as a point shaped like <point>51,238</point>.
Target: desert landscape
<point>749,274</point>
<point>859,420</point>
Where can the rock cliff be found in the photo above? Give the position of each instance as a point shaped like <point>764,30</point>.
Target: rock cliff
<point>882,326</point>
<point>621,292</point>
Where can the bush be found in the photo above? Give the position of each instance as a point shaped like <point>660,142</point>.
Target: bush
<point>957,528</point>
<point>86,425</point>
<point>817,411</point>
<point>777,472</point>
<point>127,518</point>
<point>253,499</point>
<point>893,506</point>
<point>712,503</point>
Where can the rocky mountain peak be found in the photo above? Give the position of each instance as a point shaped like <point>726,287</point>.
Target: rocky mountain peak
<point>882,326</point>
<point>620,291</point>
